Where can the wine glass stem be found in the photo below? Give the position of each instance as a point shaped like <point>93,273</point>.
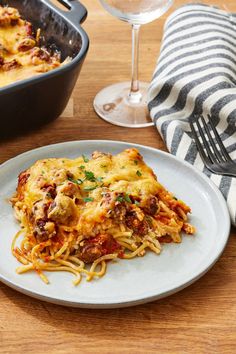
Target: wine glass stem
<point>135,95</point>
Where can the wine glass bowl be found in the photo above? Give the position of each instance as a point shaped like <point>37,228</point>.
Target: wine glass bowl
<point>137,12</point>
<point>125,103</point>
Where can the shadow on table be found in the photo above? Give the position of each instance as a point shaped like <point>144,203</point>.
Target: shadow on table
<point>11,132</point>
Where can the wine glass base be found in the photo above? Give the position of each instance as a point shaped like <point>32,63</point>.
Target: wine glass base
<point>113,105</point>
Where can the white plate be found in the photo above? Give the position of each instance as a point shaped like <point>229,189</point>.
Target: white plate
<point>127,282</point>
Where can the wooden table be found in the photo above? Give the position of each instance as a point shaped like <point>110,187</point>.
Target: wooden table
<point>199,319</point>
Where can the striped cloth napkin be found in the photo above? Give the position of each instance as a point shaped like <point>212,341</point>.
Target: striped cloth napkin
<point>196,74</point>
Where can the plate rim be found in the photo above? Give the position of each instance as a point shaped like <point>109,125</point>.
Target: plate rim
<point>135,300</point>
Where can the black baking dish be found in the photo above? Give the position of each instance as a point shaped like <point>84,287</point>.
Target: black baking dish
<point>31,102</point>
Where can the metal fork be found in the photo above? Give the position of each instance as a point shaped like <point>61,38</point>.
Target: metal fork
<point>213,153</point>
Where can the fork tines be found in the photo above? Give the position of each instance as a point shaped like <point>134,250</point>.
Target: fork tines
<point>211,147</point>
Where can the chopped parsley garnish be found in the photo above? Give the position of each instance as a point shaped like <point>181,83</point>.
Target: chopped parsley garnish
<point>127,198</point>
<point>136,162</point>
<point>76,181</point>
<point>42,172</point>
<point>103,166</point>
<point>120,199</point>
<point>138,173</point>
<point>99,179</point>
<point>88,199</point>
<point>90,188</point>
<point>85,159</point>
<point>82,167</point>
<point>136,202</point>
<point>124,198</point>
<point>90,176</point>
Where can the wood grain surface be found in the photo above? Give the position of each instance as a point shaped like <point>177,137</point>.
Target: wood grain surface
<point>199,319</point>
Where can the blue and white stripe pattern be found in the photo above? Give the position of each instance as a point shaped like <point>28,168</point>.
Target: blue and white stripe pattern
<point>196,74</point>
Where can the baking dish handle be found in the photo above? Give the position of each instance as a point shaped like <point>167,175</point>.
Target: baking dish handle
<point>77,12</point>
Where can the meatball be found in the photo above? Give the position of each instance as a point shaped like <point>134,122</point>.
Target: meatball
<point>89,253</point>
<point>62,210</point>
<point>96,247</point>
<point>151,206</point>
<point>140,227</point>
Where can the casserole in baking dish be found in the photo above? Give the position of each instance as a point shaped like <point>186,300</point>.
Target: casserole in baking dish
<point>21,56</point>
<point>30,102</point>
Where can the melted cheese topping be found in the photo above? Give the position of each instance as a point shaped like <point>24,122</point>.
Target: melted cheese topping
<point>85,190</point>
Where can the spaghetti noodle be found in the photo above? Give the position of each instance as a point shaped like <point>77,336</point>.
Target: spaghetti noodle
<point>76,215</point>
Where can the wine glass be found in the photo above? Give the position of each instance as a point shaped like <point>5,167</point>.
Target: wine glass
<point>125,103</point>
